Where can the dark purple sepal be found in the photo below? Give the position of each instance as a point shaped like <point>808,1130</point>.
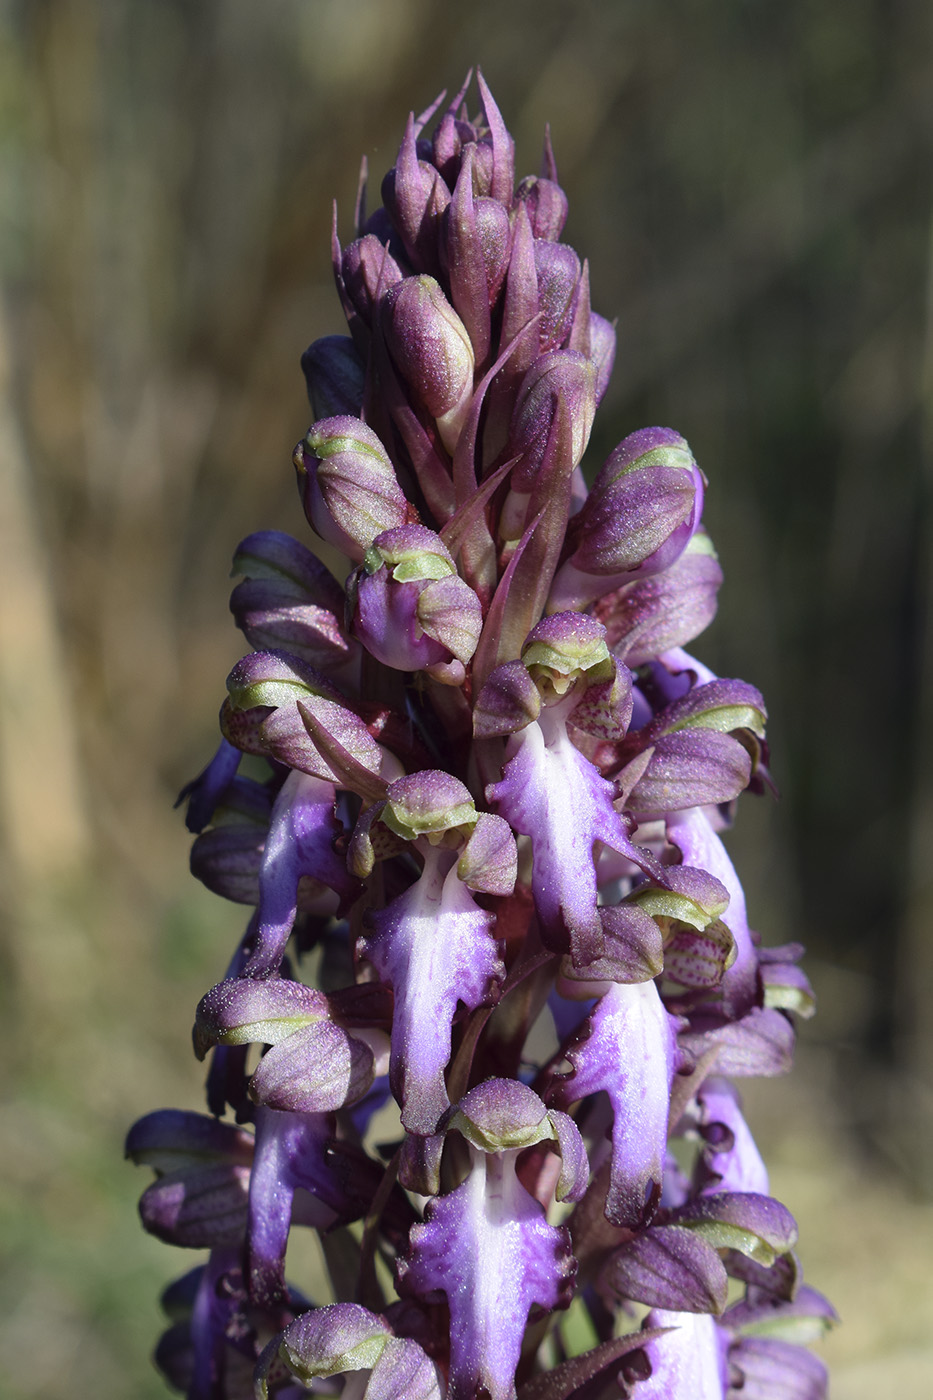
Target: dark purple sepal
<point>435,947</point>
<point>431,350</point>
<point>206,791</point>
<point>488,1248</point>
<point>368,270</point>
<point>489,861</point>
<point>776,1370</point>
<point>558,275</point>
<point>652,614</point>
<point>271,619</point>
<point>279,557</point>
<point>721,705</point>
<point>335,376</point>
<point>201,1207</point>
<point>226,859</point>
<point>174,1139</point>
<point>633,951</point>
<point>758,1226</point>
<point>688,1362</point>
<point>777,1284</point>
<point>669,1267</point>
<point>638,1082</point>
<point>316,1069</point>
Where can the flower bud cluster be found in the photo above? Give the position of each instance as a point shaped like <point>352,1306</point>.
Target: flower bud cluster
<point>483,815</point>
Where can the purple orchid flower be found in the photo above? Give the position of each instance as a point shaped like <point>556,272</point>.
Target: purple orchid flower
<point>481,812</point>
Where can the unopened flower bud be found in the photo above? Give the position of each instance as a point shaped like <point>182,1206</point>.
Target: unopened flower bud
<point>546,205</point>
<point>369,270</point>
<point>432,351</point>
<point>348,484</point>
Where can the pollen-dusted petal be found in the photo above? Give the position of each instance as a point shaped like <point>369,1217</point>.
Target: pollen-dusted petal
<point>631,1053</point>
<point>488,1247</point>
<point>435,947</point>
<point>689,1361</point>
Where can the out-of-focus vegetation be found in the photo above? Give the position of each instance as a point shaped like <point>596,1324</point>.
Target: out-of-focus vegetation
<point>751,182</point>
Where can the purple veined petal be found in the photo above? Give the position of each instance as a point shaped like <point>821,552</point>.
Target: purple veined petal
<point>688,1362</point>
<point>693,835</point>
<point>731,1160</point>
<point>669,1267</point>
<point>553,794</point>
<point>631,1053</point>
<point>488,1247</point>
<point>692,768</point>
<point>646,617</point>
<point>316,1069</point>
<point>761,1043</point>
<point>776,1370</point>
<point>803,1319</point>
<point>300,843</point>
<point>435,947</point>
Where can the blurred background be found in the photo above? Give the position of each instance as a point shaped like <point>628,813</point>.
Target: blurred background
<point>751,182</point>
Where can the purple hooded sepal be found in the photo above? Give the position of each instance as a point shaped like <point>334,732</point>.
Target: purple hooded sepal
<point>631,1053</point>
<point>758,1226</point>
<point>346,1338</point>
<point>504,1115</point>
<point>641,513</point>
<point>203,1168</point>
<point>688,1362</point>
<point>202,1207</point>
<point>669,1267</point>
<point>489,1249</point>
<point>435,947</point>
<point>653,614</point>
<point>348,484</point>
<point>411,609</point>
<point>802,1319</point>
